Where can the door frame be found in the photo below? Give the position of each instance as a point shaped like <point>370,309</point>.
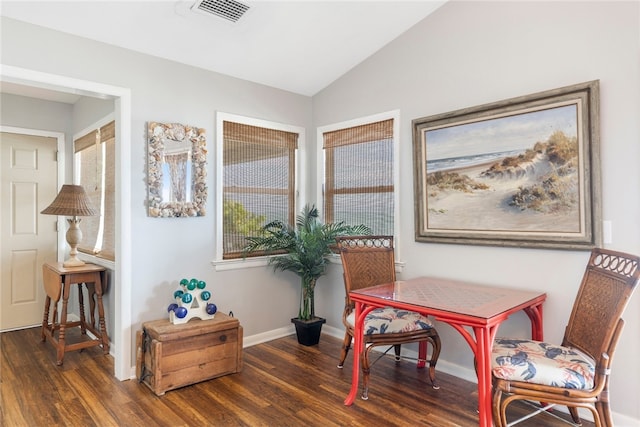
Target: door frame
<point>122,336</point>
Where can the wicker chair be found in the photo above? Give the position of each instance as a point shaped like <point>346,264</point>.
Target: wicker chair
<point>576,373</point>
<point>369,261</point>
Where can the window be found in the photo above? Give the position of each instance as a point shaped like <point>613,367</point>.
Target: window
<point>360,175</point>
<point>256,178</point>
<point>94,169</point>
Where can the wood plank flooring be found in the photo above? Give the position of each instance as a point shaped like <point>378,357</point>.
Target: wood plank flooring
<point>282,384</point>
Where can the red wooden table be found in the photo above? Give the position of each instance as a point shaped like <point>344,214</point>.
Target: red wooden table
<point>475,311</point>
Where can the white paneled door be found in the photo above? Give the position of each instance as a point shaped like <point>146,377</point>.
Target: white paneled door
<point>28,185</point>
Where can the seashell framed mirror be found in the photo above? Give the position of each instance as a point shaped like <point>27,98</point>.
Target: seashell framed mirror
<point>176,170</point>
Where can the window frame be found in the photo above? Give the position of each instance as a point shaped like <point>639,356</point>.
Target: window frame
<point>219,263</point>
<point>321,163</point>
<point>85,256</point>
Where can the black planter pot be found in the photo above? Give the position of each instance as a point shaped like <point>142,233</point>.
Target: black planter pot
<point>308,331</point>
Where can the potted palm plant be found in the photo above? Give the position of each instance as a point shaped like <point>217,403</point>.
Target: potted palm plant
<point>304,248</point>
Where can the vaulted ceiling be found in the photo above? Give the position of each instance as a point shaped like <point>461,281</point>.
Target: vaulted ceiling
<point>299,46</point>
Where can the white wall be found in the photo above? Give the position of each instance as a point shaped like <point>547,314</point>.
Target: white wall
<point>471,53</point>
<point>43,115</point>
<point>167,250</point>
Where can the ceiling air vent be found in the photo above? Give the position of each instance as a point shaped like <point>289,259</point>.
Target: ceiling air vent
<point>227,9</point>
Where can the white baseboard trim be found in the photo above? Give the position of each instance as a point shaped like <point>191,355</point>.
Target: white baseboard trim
<point>268,336</point>
<point>462,372</point>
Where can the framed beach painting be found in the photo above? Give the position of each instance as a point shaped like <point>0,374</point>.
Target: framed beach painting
<point>520,172</point>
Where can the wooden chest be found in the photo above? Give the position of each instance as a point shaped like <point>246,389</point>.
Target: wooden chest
<point>171,356</point>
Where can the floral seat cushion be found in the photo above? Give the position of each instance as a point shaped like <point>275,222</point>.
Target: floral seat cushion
<point>389,320</point>
<point>542,363</point>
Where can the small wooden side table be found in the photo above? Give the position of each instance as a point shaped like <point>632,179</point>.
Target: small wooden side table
<point>57,281</point>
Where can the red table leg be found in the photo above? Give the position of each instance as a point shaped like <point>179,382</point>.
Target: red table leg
<point>535,315</point>
<point>483,358</point>
<point>357,349</point>
<point>422,354</point>
<point>358,330</point>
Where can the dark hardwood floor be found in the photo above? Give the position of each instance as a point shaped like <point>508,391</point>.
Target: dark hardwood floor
<point>282,384</point>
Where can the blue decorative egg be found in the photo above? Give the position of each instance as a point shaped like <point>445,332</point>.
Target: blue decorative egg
<point>202,284</point>
<point>184,282</point>
<point>181,312</point>
<point>187,298</point>
<point>172,307</point>
<point>205,295</point>
<point>178,293</point>
<point>192,284</point>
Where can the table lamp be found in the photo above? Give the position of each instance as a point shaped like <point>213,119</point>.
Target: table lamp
<point>72,201</point>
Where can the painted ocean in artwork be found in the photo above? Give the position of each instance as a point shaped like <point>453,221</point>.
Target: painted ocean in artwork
<point>468,161</point>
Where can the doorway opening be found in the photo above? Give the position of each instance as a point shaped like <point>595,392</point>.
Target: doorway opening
<point>121,336</point>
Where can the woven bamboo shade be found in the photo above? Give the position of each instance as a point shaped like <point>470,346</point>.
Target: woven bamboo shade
<point>258,181</point>
<point>71,201</point>
<point>243,143</point>
<point>359,181</point>
<point>97,151</point>
<point>359,134</point>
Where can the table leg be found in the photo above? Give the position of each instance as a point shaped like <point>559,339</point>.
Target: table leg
<point>535,315</point>
<point>63,323</point>
<point>481,343</point>
<point>357,350</point>
<point>83,320</point>
<point>45,317</point>
<point>91,290</point>
<point>483,360</point>
<point>422,354</point>
<point>361,312</point>
<point>103,327</point>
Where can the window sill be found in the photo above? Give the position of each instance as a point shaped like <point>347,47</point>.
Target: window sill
<point>108,264</point>
<point>237,264</point>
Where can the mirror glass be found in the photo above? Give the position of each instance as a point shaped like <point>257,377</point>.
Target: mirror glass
<point>176,170</point>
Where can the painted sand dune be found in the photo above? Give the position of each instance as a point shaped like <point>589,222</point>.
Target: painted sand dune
<point>537,190</point>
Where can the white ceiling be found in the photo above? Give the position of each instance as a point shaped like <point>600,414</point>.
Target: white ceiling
<point>300,46</point>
